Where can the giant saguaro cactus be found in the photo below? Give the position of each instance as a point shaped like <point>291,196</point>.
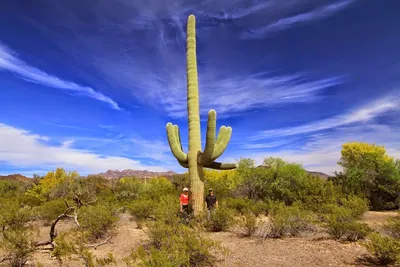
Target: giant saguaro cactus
<point>195,159</point>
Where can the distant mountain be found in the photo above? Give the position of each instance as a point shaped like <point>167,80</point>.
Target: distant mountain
<point>16,177</point>
<point>321,175</point>
<point>116,174</point>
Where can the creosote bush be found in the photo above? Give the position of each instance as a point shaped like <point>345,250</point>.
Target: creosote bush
<point>248,224</point>
<point>245,205</point>
<point>221,219</point>
<point>17,243</point>
<point>392,227</point>
<point>49,211</point>
<point>98,220</point>
<point>141,210</point>
<point>174,245</point>
<point>72,244</point>
<point>349,230</point>
<point>288,220</point>
<point>384,248</point>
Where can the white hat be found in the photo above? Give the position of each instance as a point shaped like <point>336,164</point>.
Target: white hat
<point>185,189</point>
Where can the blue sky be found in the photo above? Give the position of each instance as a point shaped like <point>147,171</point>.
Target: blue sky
<point>89,85</point>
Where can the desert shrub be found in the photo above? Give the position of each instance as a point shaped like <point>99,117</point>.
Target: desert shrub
<point>13,215</point>
<point>349,230</point>
<point>357,205</point>
<point>244,205</point>
<point>49,211</point>
<point>107,260</point>
<point>333,212</point>
<point>288,220</point>
<point>384,248</point>
<point>392,227</point>
<point>17,244</point>
<point>248,224</point>
<point>221,219</point>
<point>174,245</point>
<point>141,210</point>
<point>128,189</point>
<point>159,187</point>
<point>98,220</point>
<point>66,244</point>
<point>166,209</point>
<point>73,243</point>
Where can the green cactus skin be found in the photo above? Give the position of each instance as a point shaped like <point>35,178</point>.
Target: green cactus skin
<point>195,159</point>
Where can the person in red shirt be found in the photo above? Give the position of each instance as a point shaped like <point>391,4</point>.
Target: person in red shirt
<point>184,200</point>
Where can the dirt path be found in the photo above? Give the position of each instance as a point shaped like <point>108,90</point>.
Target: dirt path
<point>288,252</point>
<point>376,219</point>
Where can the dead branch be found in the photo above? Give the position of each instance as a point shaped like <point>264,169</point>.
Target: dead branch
<point>53,233</point>
<point>98,244</point>
<point>42,243</point>
<point>75,217</point>
<point>5,259</point>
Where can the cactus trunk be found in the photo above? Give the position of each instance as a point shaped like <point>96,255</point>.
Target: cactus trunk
<point>195,159</point>
<point>195,170</point>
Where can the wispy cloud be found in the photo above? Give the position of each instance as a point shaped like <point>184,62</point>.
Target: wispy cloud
<point>9,61</point>
<point>23,149</point>
<point>288,22</point>
<point>362,114</point>
<point>321,152</point>
<point>233,95</point>
<point>156,72</point>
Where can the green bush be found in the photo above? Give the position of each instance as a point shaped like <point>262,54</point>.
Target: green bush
<point>17,244</point>
<point>159,187</point>
<point>128,189</point>
<point>288,220</point>
<point>98,220</point>
<point>13,215</point>
<point>350,231</point>
<point>248,224</point>
<point>141,210</point>
<point>244,205</point>
<point>221,219</point>
<point>174,245</point>
<point>384,248</point>
<point>333,212</point>
<point>72,243</point>
<point>392,227</point>
<point>49,211</point>
<point>357,205</point>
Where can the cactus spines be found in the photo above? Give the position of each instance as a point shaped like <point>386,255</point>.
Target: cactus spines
<point>195,159</point>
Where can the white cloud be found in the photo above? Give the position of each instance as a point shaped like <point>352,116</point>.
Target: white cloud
<point>23,149</point>
<point>321,152</point>
<point>9,61</point>
<point>288,22</point>
<point>362,114</point>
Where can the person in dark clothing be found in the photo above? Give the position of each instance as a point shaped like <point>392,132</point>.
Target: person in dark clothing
<point>212,202</point>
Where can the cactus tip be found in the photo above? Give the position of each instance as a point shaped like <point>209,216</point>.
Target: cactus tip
<point>212,111</point>
<point>168,124</point>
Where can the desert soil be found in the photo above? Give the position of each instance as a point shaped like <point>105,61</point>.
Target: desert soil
<point>311,250</point>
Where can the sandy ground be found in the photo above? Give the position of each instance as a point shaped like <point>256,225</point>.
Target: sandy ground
<point>310,250</point>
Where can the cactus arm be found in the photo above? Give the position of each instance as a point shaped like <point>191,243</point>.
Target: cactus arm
<point>174,143</point>
<point>183,164</point>
<point>221,166</point>
<point>210,138</point>
<point>223,139</point>
<point>214,165</point>
<point>178,136</point>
